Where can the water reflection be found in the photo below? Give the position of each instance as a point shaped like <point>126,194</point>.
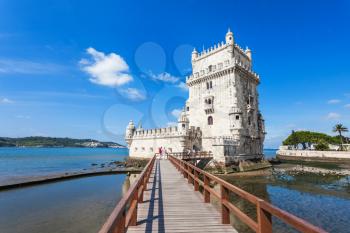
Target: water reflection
<point>323,200</point>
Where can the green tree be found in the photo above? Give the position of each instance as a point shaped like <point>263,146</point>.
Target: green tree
<point>307,138</point>
<point>339,128</point>
<point>322,145</point>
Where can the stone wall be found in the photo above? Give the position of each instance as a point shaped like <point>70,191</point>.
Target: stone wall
<point>312,155</point>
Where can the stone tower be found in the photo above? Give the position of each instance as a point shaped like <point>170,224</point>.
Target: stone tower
<point>221,114</point>
<point>223,102</point>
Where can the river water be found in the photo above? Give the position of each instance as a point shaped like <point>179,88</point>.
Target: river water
<point>17,163</point>
<point>82,205</point>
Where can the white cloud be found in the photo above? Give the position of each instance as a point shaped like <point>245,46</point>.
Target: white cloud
<point>176,113</point>
<point>333,101</point>
<point>11,66</point>
<point>333,116</point>
<point>5,101</point>
<point>133,94</point>
<point>182,86</point>
<point>164,77</point>
<point>347,106</point>
<point>106,69</point>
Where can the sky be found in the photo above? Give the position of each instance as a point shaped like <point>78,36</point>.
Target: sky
<point>84,69</point>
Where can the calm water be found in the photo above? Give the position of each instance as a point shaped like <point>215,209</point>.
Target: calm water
<point>82,205</point>
<point>78,205</point>
<point>323,200</point>
<point>270,153</point>
<point>22,162</point>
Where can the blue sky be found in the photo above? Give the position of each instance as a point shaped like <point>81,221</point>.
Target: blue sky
<point>83,69</point>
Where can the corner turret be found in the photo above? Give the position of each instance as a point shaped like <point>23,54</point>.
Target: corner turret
<point>130,129</point>
<point>229,37</point>
<point>183,122</point>
<point>248,52</point>
<point>194,54</point>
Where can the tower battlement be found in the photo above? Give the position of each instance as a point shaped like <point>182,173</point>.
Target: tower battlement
<point>221,114</point>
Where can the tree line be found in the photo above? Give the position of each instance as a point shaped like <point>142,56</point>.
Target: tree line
<point>320,140</point>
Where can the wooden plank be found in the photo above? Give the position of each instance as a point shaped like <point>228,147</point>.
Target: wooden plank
<point>171,205</point>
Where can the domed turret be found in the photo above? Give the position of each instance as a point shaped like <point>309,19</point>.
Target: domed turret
<point>130,129</point>
<point>229,37</point>
<point>183,121</point>
<point>248,52</point>
<point>194,54</point>
<point>235,116</point>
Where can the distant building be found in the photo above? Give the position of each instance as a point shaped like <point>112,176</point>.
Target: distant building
<point>221,114</point>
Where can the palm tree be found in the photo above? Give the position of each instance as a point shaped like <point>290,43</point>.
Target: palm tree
<point>339,128</point>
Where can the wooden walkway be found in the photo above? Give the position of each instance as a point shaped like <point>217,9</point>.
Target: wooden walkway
<point>171,205</point>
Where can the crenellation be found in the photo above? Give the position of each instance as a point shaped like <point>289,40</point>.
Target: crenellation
<point>221,114</point>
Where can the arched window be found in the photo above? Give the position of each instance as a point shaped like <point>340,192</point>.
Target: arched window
<point>209,101</point>
<point>207,85</point>
<point>211,85</point>
<point>210,120</point>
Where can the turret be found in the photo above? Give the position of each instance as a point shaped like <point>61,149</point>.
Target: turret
<point>248,52</point>
<point>183,122</point>
<point>235,116</point>
<point>130,129</point>
<point>194,54</point>
<point>229,37</point>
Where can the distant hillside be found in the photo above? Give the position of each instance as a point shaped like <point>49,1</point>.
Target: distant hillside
<point>54,142</point>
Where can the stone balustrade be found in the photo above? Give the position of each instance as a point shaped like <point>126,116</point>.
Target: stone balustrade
<point>158,132</point>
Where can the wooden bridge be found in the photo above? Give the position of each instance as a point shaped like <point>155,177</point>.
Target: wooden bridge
<point>174,196</point>
<point>193,155</point>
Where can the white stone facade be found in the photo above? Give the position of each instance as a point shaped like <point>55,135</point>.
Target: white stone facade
<point>221,114</point>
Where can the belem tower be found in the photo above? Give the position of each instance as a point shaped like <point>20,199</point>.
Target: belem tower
<point>221,115</point>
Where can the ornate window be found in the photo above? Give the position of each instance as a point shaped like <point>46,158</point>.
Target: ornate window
<point>210,120</point>
<point>220,66</point>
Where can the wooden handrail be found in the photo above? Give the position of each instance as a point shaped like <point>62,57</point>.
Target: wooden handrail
<point>125,213</point>
<point>265,210</point>
<point>197,154</point>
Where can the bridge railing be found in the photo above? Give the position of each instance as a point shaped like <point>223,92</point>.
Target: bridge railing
<point>191,155</point>
<point>265,210</point>
<point>125,213</point>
